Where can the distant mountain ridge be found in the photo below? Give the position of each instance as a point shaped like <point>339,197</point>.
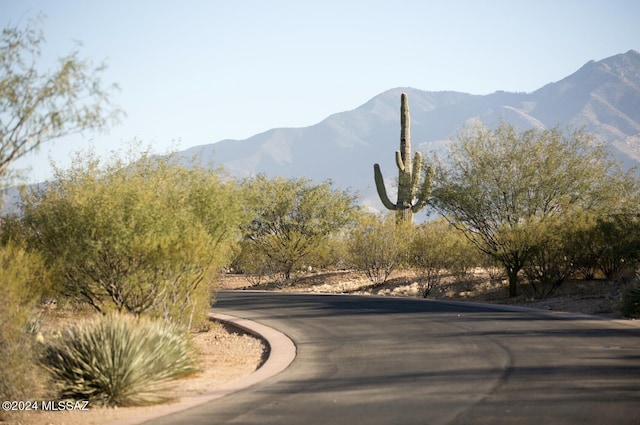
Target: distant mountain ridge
<point>603,96</point>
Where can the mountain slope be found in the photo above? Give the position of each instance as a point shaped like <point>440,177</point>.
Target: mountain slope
<point>602,96</point>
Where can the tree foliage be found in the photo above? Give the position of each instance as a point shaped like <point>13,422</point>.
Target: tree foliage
<point>23,279</point>
<point>618,236</point>
<point>143,236</point>
<point>501,187</point>
<point>553,258</point>
<point>631,300</point>
<point>437,248</point>
<point>36,105</point>
<point>290,220</point>
<point>430,254</point>
<point>378,245</point>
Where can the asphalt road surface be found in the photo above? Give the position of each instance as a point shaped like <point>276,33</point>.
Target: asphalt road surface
<point>371,360</point>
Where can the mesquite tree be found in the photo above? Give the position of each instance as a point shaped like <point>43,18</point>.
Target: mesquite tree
<point>37,106</point>
<point>290,220</point>
<point>506,189</point>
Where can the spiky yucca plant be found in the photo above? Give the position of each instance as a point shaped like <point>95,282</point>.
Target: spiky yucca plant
<point>118,360</point>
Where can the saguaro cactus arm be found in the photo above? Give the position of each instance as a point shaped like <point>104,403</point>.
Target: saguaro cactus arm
<point>399,161</point>
<point>382,191</point>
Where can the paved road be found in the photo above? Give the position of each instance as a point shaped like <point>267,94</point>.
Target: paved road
<point>366,360</point>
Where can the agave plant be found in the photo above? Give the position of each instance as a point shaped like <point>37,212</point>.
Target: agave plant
<point>118,360</point>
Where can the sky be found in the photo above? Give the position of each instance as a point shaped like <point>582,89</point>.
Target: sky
<point>194,72</point>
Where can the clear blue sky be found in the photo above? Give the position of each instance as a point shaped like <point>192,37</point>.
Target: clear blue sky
<point>204,71</point>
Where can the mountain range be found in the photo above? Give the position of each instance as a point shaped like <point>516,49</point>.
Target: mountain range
<point>602,96</point>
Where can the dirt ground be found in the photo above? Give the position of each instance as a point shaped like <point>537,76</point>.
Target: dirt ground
<point>224,356</point>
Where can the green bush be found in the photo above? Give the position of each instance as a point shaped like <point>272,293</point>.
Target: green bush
<point>118,360</point>
<point>378,246</point>
<point>289,223</point>
<point>429,255</point>
<point>22,280</point>
<point>436,249</point>
<point>631,301</point>
<point>141,235</point>
<point>553,258</point>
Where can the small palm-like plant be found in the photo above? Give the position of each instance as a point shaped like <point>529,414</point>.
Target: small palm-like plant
<point>118,360</point>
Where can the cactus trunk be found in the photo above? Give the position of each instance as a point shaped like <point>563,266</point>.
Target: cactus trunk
<point>412,196</point>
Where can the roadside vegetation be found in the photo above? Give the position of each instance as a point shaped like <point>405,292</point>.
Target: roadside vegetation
<point>118,360</point>
<point>143,237</point>
<point>520,197</point>
<point>289,225</point>
<point>528,212</point>
<point>133,247</point>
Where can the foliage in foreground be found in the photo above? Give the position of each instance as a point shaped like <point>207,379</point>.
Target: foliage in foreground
<point>22,280</point>
<point>140,235</point>
<point>118,360</point>
<point>39,106</point>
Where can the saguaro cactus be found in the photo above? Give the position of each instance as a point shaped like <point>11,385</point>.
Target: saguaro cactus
<point>412,194</point>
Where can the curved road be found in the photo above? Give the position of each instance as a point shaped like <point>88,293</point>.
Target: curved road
<point>370,360</point>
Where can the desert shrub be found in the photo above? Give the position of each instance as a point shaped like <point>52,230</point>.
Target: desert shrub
<point>258,267</point>
<point>118,359</point>
<point>552,256</point>
<point>377,246</point>
<point>498,185</point>
<point>331,254</point>
<point>580,243</point>
<point>465,258</point>
<point>255,265</point>
<point>430,254</point>
<point>137,234</point>
<point>631,300</point>
<point>585,244</point>
<point>290,221</point>
<point>606,243</point>
<point>620,245</point>
<point>22,280</point>
<point>493,269</point>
